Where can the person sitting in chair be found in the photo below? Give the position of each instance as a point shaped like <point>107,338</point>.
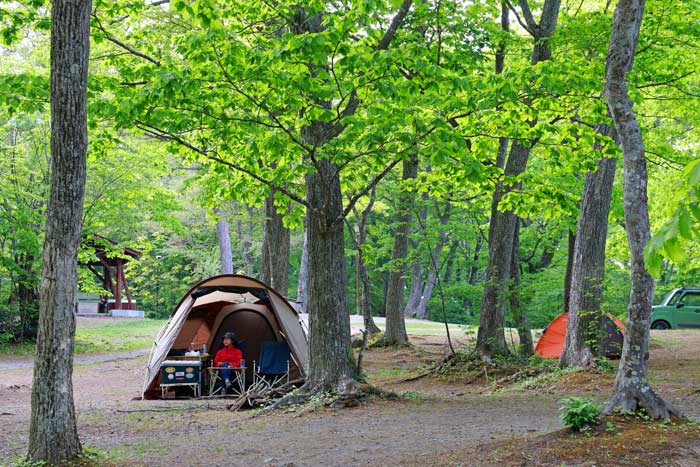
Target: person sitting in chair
<point>228,356</point>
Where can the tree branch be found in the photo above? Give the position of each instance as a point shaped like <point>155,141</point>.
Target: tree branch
<point>162,134</point>
<point>121,44</point>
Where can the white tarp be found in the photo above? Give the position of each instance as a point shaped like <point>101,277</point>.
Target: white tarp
<point>164,342</point>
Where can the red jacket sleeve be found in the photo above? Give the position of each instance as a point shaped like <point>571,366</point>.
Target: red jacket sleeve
<point>217,357</point>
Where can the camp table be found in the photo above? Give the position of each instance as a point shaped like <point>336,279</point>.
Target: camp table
<point>179,372</point>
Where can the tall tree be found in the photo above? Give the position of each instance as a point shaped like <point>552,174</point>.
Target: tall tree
<point>53,435</point>
<point>224,237</point>
<point>588,264</point>
<point>516,307</point>
<point>632,391</point>
<point>274,269</point>
<point>360,239</point>
<point>302,284</point>
<point>395,332</point>
<point>491,338</point>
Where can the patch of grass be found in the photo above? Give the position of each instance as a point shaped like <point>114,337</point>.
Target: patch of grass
<point>545,380</point>
<point>90,457</point>
<point>657,341</point>
<point>21,348</point>
<point>105,336</point>
<point>117,336</point>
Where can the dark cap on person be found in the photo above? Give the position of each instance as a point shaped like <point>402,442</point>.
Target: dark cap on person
<point>230,335</point>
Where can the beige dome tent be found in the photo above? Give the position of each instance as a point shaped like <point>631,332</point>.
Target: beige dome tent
<point>246,306</point>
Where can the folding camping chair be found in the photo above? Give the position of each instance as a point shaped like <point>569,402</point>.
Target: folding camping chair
<point>273,368</point>
<point>238,382</point>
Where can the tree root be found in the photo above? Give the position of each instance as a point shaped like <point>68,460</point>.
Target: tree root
<point>641,397</point>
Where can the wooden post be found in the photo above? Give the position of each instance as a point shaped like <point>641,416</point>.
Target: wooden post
<point>126,289</point>
<point>118,292</point>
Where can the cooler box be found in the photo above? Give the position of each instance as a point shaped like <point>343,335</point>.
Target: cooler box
<point>178,372</point>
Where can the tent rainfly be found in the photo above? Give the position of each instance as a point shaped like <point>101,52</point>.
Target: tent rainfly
<point>246,306</point>
<point>553,339</point>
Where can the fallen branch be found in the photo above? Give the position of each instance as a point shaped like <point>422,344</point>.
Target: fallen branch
<point>259,395</point>
<point>438,367</point>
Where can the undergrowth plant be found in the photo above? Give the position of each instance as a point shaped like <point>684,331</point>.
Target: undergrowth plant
<point>580,413</point>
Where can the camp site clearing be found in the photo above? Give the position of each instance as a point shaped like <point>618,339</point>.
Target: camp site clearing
<point>455,418</point>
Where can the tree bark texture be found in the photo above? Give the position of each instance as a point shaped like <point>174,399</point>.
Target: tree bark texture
<point>415,291</point>
<point>571,245</point>
<point>302,284</point>
<point>274,268</point>
<point>588,266</point>
<point>53,435</point>
<point>516,307</point>
<point>434,271</point>
<point>224,237</point>
<point>366,296</point>
<point>491,338</point>
<point>331,364</point>
<point>631,390</point>
<point>395,331</point>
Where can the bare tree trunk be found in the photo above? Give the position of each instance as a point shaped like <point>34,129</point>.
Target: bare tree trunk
<point>491,337</point>
<point>395,331</point>
<point>274,268</point>
<point>631,391</point>
<point>224,243</point>
<point>302,285</point>
<point>434,271</point>
<point>450,262</point>
<point>516,308</point>
<point>53,435</point>
<point>569,265</point>
<point>588,266</point>
<point>416,290</point>
<point>331,366</point>
<point>365,305</point>
<point>248,243</point>
<point>474,270</point>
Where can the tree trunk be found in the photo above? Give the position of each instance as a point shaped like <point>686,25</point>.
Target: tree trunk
<point>416,290</point>
<point>53,435</point>
<point>491,338</point>
<point>248,243</point>
<point>516,308</point>
<point>474,270</point>
<point>395,332</point>
<point>569,265</point>
<point>631,391</point>
<point>331,365</point>
<point>224,243</point>
<point>450,262</point>
<point>431,282</point>
<point>302,284</point>
<point>274,268</point>
<point>588,266</point>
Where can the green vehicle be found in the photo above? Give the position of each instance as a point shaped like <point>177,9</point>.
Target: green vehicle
<point>679,309</point>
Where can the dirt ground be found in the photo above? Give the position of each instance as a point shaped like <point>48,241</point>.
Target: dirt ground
<point>460,420</point>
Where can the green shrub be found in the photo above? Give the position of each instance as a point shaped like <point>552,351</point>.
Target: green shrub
<point>580,413</point>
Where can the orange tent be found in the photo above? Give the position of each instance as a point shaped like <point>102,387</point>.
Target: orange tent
<point>551,344</point>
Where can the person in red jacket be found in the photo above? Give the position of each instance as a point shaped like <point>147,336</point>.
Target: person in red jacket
<point>228,356</point>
